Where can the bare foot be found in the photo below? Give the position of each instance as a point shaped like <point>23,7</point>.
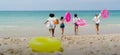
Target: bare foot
<point>97,33</point>
<point>53,36</point>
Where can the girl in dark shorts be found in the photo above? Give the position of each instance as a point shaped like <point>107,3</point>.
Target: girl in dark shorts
<point>62,25</point>
<point>97,21</point>
<point>75,25</point>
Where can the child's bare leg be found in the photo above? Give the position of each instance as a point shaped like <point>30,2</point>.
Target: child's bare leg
<point>52,32</point>
<point>62,31</point>
<point>75,30</point>
<point>97,29</point>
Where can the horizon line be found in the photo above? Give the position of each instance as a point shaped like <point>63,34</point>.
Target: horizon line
<point>55,10</point>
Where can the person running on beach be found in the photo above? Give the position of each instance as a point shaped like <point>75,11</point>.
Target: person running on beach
<point>75,18</point>
<point>50,23</point>
<point>97,21</point>
<point>62,25</point>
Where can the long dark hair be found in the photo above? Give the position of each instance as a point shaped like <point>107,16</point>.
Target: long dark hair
<point>75,15</point>
<point>62,18</point>
<point>51,15</point>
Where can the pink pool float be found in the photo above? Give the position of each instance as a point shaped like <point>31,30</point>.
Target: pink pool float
<point>67,16</point>
<point>81,22</point>
<point>104,13</point>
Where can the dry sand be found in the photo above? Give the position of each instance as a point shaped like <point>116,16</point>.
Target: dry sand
<point>105,44</point>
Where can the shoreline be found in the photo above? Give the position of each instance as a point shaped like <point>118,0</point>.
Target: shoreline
<point>32,31</point>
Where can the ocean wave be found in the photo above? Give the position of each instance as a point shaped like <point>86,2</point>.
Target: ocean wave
<point>8,26</point>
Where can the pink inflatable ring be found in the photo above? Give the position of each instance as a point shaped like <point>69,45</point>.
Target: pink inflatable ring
<point>104,13</point>
<point>81,22</point>
<point>67,16</point>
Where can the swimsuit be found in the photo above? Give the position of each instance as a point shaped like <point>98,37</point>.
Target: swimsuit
<point>62,25</point>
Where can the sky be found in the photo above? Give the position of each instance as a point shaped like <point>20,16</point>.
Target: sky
<point>59,4</point>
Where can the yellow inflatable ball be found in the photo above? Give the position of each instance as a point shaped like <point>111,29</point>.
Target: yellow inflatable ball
<point>45,44</point>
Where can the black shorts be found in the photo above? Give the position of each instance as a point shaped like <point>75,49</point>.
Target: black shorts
<point>62,25</point>
<point>97,24</point>
<point>75,24</point>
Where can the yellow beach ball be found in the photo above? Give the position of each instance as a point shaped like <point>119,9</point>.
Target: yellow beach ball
<point>45,44</point>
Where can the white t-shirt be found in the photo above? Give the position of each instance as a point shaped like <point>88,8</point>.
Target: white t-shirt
<point>51,20</point>
<point>75,19</point>
<point>96,19</point>
<point>50,23</point>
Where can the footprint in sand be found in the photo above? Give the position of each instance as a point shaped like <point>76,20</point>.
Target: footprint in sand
<point>115,54</point>
<point>90,42</point>
<point>1,54</point>
<point>7,38</point>
<point>92,52</point>
<point>115,45</point>
<point>111,40</point>
<point>11,50</point>
<point>5,43</point>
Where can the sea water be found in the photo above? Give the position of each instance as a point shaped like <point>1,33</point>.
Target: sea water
<point>35,19</point>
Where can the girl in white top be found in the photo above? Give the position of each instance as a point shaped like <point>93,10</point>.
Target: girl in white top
<point>75,18</point>
<point>50,23</point>
<point>97,21</point>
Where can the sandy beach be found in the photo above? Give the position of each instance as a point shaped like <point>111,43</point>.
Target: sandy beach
<point>22,20</point>
<point>104,44</point>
